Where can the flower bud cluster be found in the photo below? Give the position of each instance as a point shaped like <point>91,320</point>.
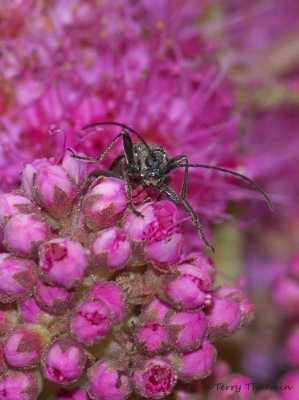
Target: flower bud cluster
<point>91,291</point>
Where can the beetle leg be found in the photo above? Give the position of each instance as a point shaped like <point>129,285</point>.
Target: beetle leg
<point>129,192</point>
<point>172,195</point>
<point>127,142</point>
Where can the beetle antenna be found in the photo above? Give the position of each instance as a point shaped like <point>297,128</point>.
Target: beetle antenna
<point>228,171</point>
<point>122,126</point>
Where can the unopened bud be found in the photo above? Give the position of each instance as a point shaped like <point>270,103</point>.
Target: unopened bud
<point>63,262</point>
<point>24,233</point>
<point>106,380</point>
<point>64,361</point>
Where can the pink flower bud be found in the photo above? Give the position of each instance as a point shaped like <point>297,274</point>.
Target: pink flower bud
<point>156,309</point>
<point>154,378</point>
<point>53,189</point>
<point>104,202</point>
<point>31,312</point>
<point>18,385</point>
<point>14,203</point>
<point>290,379</point>
<point>157,229</point>
<point>112,296</point>
<point>198,364</point>
<point>8,318</point>
<point>224,318</point>
<point>286,295</point>
<point>71,394</point>
<point>24,233</point>
<point>110,249</point>
<point>91,321</point>
<point>187,289</point>
<point>151,336</point>
<point>221,370</point>
<point>17,277</point>
<point>187,329</point>
<point>64,361</point>
<point>245,305</point>
<point>23,347</point>
<point>107,382</point>
<point>53,299</point>
<point>63,262</point>
<point>202,261</point>
<point>29,172</point>
<point>75,168</point>
<point>292,347</point>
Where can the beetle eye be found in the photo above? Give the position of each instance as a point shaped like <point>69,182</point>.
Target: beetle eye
<point>150,160</point>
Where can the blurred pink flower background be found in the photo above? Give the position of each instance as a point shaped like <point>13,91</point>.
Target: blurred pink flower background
<point>216,80</point>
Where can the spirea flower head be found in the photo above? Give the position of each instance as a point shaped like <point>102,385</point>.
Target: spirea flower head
<point>107,301</point>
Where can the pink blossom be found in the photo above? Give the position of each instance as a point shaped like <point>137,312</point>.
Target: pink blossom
<point>30,171</point>
<point>24,233</point>
<point>224,318</point>
<point>188,288</point>
<point>64,361</point>
<point>14,203</point>
<point>63,254</point>
<point>154,378</point>
<point>30,311</point>
<point>53,189</point>
<point>152,336</point>
<point>111,249</point>
<point>106,382</point>
<point>17,277</point>
<point>91,321</point>
<point>20,385</point>
<point>156,309</point>
<point>187,329</point>
<point>157,229</point>
<point>104,202</point>
<point>53,299</point>
<point>112,296</point>
<point>204,262</point>
<point>246,307</point>
<point>197,364</point>
<point>23,347</point>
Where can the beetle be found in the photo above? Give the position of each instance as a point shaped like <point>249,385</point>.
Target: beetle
<point>148,164</point>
